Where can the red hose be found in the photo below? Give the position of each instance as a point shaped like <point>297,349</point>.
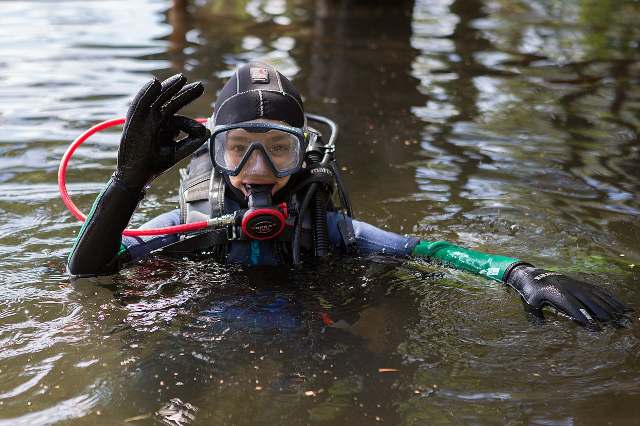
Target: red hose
<point>62,186</point>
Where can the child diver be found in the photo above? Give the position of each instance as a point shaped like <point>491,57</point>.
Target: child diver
<point>267,175</point>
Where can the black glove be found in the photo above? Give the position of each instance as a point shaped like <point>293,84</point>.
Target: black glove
<point>583,302</point>
<point>148,147</point>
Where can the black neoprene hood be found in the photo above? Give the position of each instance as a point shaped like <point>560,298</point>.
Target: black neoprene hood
<point>256,91</point>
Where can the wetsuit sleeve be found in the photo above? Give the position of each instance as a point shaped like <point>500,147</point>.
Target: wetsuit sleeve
<point>100,248</point>
<point>492,266</point>
<point>371,240</point>
<point>366,238</point>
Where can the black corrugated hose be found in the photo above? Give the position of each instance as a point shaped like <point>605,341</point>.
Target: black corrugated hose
<point>319,193</point>
<point>319,215</point>
<point>320,229</point>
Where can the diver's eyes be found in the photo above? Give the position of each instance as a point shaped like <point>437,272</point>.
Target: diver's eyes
<point>237,147</point>
<point>279,149</point>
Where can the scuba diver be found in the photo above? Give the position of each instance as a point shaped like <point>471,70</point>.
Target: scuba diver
<point>265,182</point>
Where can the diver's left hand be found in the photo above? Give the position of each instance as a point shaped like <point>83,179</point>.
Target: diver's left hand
<point>583,302</point>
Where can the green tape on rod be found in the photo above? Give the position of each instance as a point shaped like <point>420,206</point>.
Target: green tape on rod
<point>488,265</point>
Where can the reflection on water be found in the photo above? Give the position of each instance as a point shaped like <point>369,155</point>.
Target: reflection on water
<point>507,126</point>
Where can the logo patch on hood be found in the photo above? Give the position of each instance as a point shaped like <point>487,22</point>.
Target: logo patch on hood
<point>259,75</point>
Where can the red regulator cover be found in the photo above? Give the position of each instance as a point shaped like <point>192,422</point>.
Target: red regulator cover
<point>263,224</point>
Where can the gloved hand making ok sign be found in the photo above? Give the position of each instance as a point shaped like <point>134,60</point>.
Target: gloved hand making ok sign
<point>148,146</point>
<point>583,302</point>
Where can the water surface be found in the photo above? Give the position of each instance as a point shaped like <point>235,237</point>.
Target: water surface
<point>510,127</point>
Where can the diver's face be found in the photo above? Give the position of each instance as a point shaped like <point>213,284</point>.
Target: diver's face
<point>256,171</point>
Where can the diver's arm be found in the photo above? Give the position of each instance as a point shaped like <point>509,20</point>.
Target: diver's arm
<point>98,249</point>
<point>581,301</point>
<point>347,233</point>
<point>138,247</point>
<point>147,149</point>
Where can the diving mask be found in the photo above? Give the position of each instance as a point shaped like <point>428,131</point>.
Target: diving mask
<point>236,146</point>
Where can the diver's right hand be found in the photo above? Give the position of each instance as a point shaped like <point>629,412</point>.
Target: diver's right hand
<point>148,146</point>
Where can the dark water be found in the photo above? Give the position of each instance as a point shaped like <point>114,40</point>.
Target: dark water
<point>511,127</point>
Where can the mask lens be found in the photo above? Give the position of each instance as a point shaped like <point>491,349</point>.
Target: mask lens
<point>281,149</point>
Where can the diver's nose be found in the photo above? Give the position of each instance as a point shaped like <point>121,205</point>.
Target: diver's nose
<point>257,164</point>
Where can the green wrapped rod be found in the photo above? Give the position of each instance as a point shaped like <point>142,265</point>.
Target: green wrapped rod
<point>488,265</point>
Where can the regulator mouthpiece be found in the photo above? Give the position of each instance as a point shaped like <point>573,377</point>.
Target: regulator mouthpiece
<point>259,196</point>
<point>263,220</point>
